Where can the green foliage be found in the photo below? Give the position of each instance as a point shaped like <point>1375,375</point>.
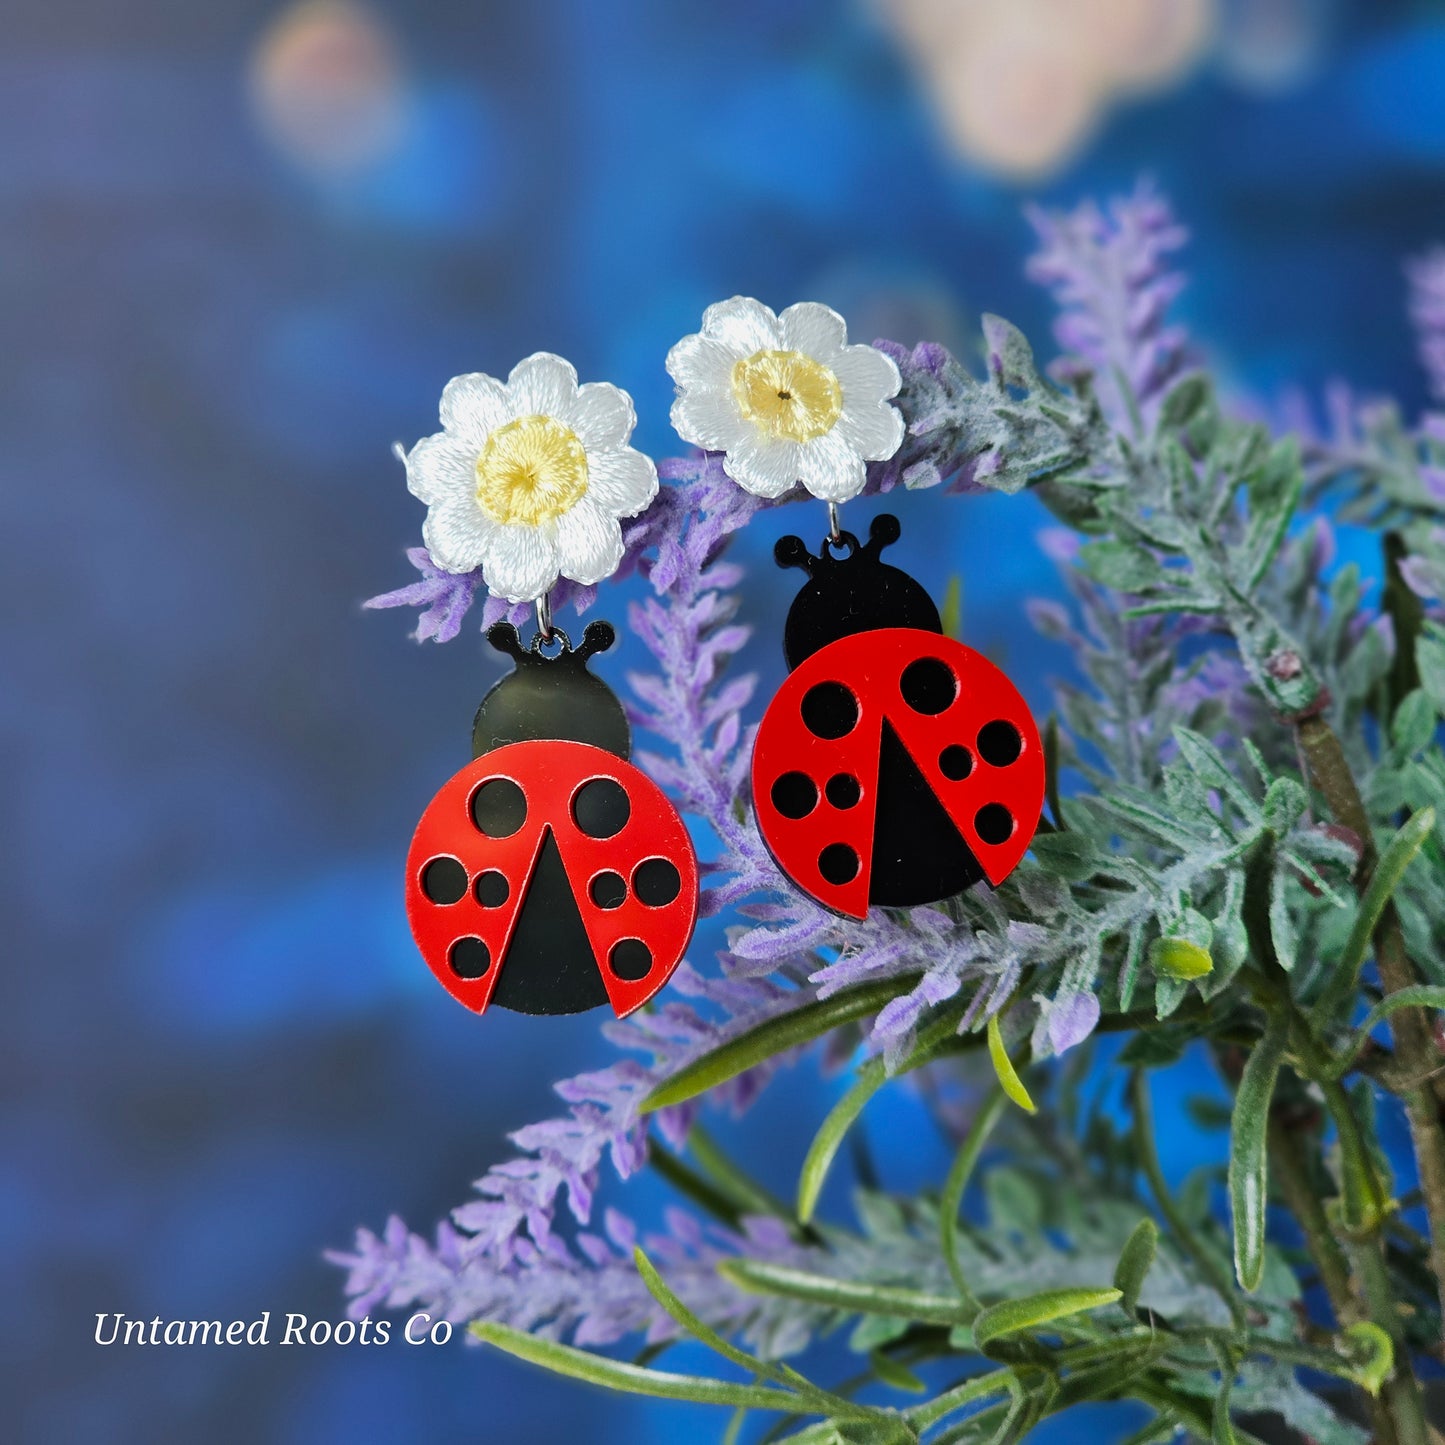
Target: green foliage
<point>1254,875</point>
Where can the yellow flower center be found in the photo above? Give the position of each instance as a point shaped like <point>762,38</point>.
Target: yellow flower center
<point>787,395</point>
<point>531,470</point>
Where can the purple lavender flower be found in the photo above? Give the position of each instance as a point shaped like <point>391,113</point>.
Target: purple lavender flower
<point>1110,274</point>
<point>1426,275</point>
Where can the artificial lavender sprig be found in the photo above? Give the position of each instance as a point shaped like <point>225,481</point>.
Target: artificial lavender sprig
<point>1110,273</point>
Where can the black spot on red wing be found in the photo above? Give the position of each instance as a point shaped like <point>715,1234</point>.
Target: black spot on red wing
<point>795,795</point>
<point>928,685</point>
<point>499,808</point>
<point>631,959</point>
<point>609,890</point>
<point>601,808</point>
<point>656,882</point>
<point>469,958</point>
<point>829,710</point>
<point>843,790</point>
<point>444,880</point>
<point>994,822</point>
<point>549,967</point>
<point>838,864</point>
<point>955,762</point>
<point>999,743</point>
<point>918,854</point>
<point>492,889</point>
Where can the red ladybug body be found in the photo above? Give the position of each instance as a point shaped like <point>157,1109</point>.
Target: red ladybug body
<point>549,875</point>
<point>895,766</point>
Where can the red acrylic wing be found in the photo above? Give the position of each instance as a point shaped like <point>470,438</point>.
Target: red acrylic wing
<point>643,869</point>
<point>963,724</point>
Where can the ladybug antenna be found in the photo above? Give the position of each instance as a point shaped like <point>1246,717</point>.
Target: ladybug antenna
<point>793,552</point>
<point>883,532</point>
<point>598,637</point>
<point>505,638</point>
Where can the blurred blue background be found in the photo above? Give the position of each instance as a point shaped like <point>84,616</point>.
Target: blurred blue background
<point>242,247</point>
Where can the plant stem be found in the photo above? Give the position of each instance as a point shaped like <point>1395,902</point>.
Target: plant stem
<point>1208,1262</point>
<point>1290,1172</point>
<point>1414,1043</point>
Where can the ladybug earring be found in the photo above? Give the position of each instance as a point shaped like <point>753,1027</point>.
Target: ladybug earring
<point>895,766</point>
<point>548,875</point>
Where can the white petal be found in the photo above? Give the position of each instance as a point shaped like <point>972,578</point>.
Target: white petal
<point>814,329</point>
<point>474,406</point>
<point>764,467</point>
<point>865,374</point>
<point>589,542</point>
<point>875,430</point>
<point>458,534</point>
<point>831,469</point>
<point>440,466</point>
<point>742,324</point>
<point>703,361</point>
<point>621,482</point>
<point>542,385</point>
<point>708,417</point>
<point>602,415</point>
<point>521,563</point>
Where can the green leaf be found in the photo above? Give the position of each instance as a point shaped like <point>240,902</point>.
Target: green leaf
<point>1412,729</point>
<point>1071,855</point>
<point>1184,401</point>
<point>1248,1166</point>
<point>1430,658</point>
<point>1179,958</point>
<point>1282,930</point>
<point>1008,1077</point>
<point>756,1277</point>
<point>822,1401</point>
<point>1121,565</point>
<point>1386,878</point>
<point>1285,802</point>
<point>824,1148</point>
<point>775,1035</point>
<point>900,1377</point>
<point>1371,1354</point>
<point>1420,995</point>
<point>951,613</point>
<point>1134,1262</point>
<point>951,1200</point>
<point>1011,1317</point>
<point>631,1379</point>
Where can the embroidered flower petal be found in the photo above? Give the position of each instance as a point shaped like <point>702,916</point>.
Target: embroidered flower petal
<point>441,466</point>
<point>520,562</point>
<point>811,327</point>
<point>623,481</point>
<point>876,431</point>
<point>473,405</point>
<point>866,375</point>
<point>708,418</point>
<point>831,469</point>
<point>458,534</point>
<point>602,415</point>
<point>703,361</point>
<point>543,385</point>
<point>761,466</point>
<point>743,325</point>
<point>589,542</point>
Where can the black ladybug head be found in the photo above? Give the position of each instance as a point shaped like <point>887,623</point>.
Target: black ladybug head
<point>850,589</point>
<point>551,697</point>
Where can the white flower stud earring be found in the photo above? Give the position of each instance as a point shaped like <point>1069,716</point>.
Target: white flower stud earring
<point>785,398</point>
<point>528,478</point>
